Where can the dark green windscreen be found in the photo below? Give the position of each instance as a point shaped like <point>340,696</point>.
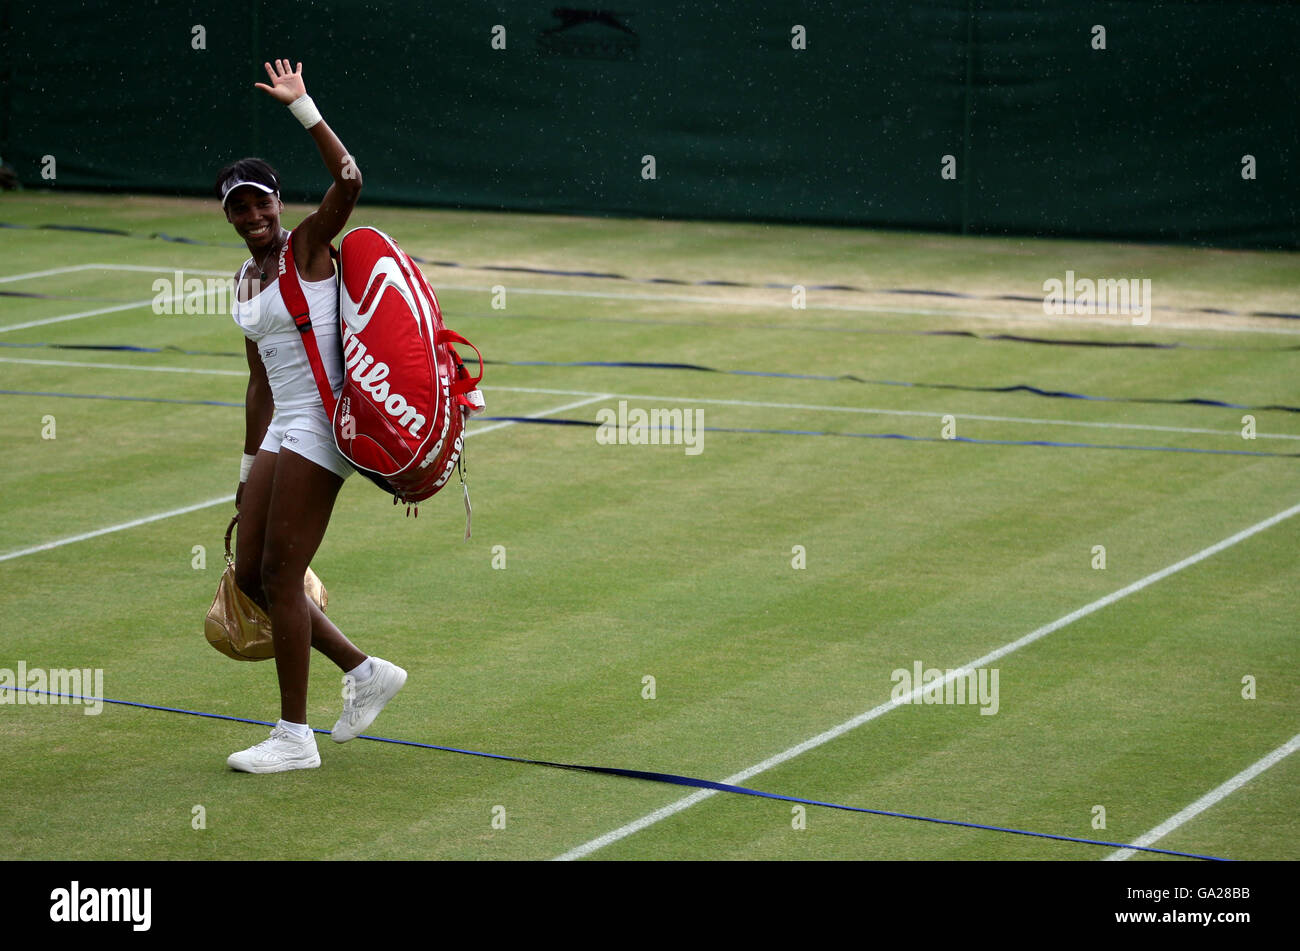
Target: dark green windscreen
<point>1144,139</point>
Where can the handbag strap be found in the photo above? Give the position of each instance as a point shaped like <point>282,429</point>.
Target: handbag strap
<point>230,559</point>
<point>296,301</point>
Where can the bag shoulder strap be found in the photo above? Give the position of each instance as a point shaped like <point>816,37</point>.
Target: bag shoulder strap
<point>296,301</point>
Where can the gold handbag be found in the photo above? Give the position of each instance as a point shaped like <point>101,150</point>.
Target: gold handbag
<point>235,625</point>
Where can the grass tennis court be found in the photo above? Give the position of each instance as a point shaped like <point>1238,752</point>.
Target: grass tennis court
<point>623,562</point>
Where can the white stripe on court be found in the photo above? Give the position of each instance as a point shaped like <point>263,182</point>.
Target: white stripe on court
<point>122,366</point>
<point>178,302</point>
<point>77,316</point>
<point>152,269</point>
<point>116,528</point>
<point>698,299</point>
<point>1209,799</point>
<point>720,402</point>
<point>56,270</point>
<point>897,412</point>
<point>175,299</point>
<point>885,310</point>
<point>230,498</point>
<point>147,268</point>
<point>559,409</point>
<point>686,802</point>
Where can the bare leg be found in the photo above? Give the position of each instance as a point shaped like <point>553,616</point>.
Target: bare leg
<point>331,642</point>
<point>256,500</point>
<point>302,499</point>
<point>252,526</point>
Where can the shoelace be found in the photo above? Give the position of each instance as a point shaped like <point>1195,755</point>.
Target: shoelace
<point>278,733</point>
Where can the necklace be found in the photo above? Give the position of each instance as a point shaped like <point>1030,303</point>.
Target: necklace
<point>274,252</point>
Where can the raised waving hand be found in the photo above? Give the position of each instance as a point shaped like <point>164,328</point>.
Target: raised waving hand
<point>286,84</point>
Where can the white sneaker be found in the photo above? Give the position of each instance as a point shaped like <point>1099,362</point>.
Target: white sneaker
<point>279,752</point>
<point>363,701</point>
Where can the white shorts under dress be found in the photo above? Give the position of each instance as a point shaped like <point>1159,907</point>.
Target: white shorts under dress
<point>299,423</point>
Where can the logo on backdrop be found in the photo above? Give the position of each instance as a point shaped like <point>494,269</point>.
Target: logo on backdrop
<point>589,34</point>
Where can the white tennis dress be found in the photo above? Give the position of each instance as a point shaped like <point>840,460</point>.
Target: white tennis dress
<point>299,423</point>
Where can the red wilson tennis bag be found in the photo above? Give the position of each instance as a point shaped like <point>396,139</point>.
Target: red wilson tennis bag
<point>400,417</point>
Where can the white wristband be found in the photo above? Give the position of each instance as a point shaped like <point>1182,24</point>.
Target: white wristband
<point>245,467</point>
<point>305,111</point>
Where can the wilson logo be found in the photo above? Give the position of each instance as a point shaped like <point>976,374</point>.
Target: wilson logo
<point>370,376</point>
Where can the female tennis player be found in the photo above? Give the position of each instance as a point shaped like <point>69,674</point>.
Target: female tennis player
<point>292,470</point>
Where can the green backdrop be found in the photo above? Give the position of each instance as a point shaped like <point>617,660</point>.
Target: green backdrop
<point>1049,136</point>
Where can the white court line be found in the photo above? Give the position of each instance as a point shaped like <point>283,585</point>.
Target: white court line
<point>122,366</point>
<point>150,268</point>
<point>57,270</point>
<point>176,299</point>
<point>696,299</point>
<point>686,802</point>
<point>77,316</point>
<point>230,498</point>
<point>559,409</point>
<point>720,402</point>
<point>784,305</point>
<point>1209,799</point>
<point>900,412</point>
<point>116,528</point>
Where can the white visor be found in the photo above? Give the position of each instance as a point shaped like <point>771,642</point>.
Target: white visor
<point>231,186</point>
